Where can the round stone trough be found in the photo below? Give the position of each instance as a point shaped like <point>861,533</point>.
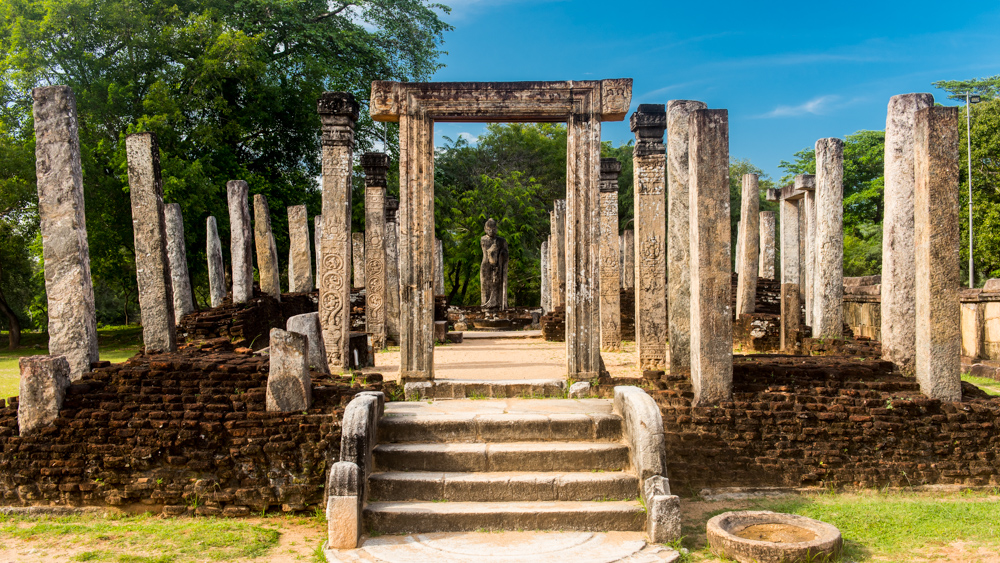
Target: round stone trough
<point>761,536</point>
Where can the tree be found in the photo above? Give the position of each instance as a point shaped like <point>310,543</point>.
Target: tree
<point>230,89</point>
<point>987,88</point>
<point>985,191</point>
<point>737,169</point>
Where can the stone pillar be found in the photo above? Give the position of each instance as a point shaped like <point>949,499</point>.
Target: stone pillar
<point>216,267</point>
<point>156,300</point>
<point>936,238</point>
<point>807,216</point>
<point>544,267</point>
<point>308,325</point>
<point>898,324</point>
<point>180,281</point>
<point>42,388</point>
<point>267,251</point>
<point>375,165</point>
<point>611,315</point>
<point>318,244</point>
<point>289,387</point>
<point>766,267</point>
<point>746,288</point>
<point>338,112</point>
<point>628,259</point>
<point>300,277</point>
<point>711,281</point>
<point>678,237</point>
<point>791,315</point>
<point>649,165</point>
<point>558,218</point>
<point>392,269</point>
<point>65,251</point>
<point>828,291</point>
<point>439,269</point>
<point>240,240</point>
<point>358,259</point>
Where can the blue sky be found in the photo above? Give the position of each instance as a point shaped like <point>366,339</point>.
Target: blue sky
<point>788,74</point>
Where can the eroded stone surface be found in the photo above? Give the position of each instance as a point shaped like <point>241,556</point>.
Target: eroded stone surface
<point>358,259</point>
<point>790,307</point>
<point>493,269</point>
<point>375,165</point>
<point>392,269</point>
<point>72,319</point>
<point>308,326</point>
<point>180,281</point>
<point>318,244</point>
<point>557,223</point>
<point>216,267</point>
<point>343,506</point>
<point>828,255</point>
<point>300,276</point>
<point>152,265</point>
<point>267,251</point>
<point>611,316</point>
<point>438,267</point>
<point>546,301</point>
<point>240,239</point>
<point>289,387</point>
<point>748,245</point>
<point>765,268</point>
<point>42,388</point>
<point>628,259</point>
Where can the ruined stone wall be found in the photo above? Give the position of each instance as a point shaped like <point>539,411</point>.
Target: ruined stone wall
<point>246,324</point>
<point>180,433</point>
<point>800,421</point>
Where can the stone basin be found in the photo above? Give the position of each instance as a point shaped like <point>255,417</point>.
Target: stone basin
<point>760,536</point>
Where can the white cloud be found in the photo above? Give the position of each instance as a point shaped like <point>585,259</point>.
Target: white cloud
<point>469,137</point>
<point>816,106</point>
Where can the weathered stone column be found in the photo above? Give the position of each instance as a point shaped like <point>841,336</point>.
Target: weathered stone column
<point>358,259</point>
<point>628,259</point>
<point>216,267</point>
<point>240,240</point>
<point>746,288</point>
<point>42,389</point>
<point>376,165</point>
<point>739,250</point>
<point>289,387</point>
<point>267,251</point>
<point>898,328</point>
<point>318,244</point>
<point>392,269</point>
<point>546,305</point>
<point>649,165</point>
<point>766,268</point>
<point>611,315</point>
<point>69,288</point>
<point>711,281</point>
<point>828,291</point>
<point>156,299</point>
<point>807,217</point>
<point>791,315</point>
<point>300,277</point>
<point>936,216</point>
<point>439,268</point>
<point>180,281</point>
<point>558,218</point>
<point>308,325</point>
<point>679,237</point>
<point>338,112</point>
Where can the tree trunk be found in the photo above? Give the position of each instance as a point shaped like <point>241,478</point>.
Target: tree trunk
<point>12,320</point>
<point>465,285</point>
<point>456,278</point>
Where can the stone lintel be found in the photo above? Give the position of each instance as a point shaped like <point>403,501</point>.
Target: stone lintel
<point>805,182</point>
<point>787,193</point>
<point>501,101</point>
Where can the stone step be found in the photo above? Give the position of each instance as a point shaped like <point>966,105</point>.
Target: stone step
<point>503,487</point>
<point>507,456</point>
<point>477,388</point>
<point>424,517</point>
<point>500,428</point>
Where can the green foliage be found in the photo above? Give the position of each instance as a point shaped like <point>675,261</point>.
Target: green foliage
<point>230,89</point>
<point>737,169</point>
<point>985,191</point>
<point>988,88</point>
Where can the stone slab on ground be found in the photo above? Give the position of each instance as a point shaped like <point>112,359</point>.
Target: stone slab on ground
<point>508,547</point>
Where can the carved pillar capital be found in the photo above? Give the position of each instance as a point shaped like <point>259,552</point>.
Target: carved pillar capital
<point>610,170</point>
<point>648,123</point>
<point>338,111</point>
<point>376,166</point>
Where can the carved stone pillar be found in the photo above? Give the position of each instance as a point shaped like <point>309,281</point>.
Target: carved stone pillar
<point>358,260</point>
<point>392,269</point>
<point>376,165</point>
<point>611,333</point>
<point>544,270</point>
<point>180,281</point>
<point>558,218</point>
<point>69,288</point>
<point>628,259</point>
<point>216,267</point>
<point>318,244</point>
<point>791,315</point>
<point>156,297</point>
<point>828,250</point>
<point>650,171</point>
<point>267,250</point>
<point>338,112</point>
<point>240,239</point>
<point>746,289</point>
<point>766,267</point>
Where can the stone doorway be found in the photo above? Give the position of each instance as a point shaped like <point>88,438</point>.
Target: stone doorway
<point>582,105</point>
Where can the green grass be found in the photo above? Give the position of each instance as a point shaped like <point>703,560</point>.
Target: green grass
<point>116,344</point>
<point>990,386</point>
<point>143,539</point>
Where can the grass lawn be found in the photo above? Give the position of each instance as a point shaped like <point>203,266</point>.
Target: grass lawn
<point>116,344</point>
<point>878,526</point>
<point>991,386</point>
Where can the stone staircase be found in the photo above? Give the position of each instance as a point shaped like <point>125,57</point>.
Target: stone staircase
<point>549,464</point>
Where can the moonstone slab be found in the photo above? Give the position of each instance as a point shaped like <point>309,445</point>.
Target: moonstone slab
<point>267,251</point>
<point>180,280</point>
<point>152,265</point>
<point>216,267</point>
<point>69,289</point>
<point>308,325</point>
<point>240,239</point>
<point>42,388</point>
<point>289,387</point>
<point>300,277</point>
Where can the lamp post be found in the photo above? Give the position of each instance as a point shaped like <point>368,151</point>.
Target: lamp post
<point>970,99</point>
